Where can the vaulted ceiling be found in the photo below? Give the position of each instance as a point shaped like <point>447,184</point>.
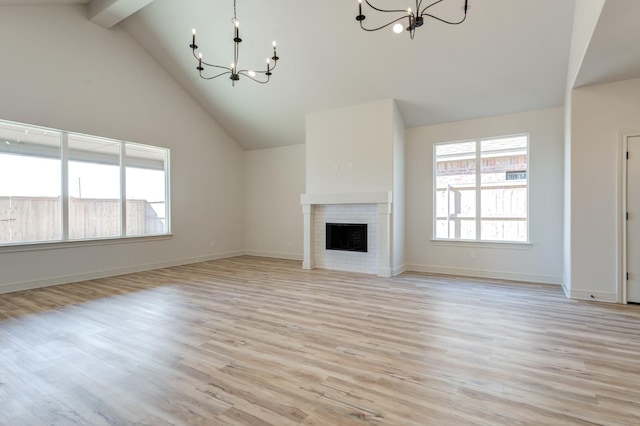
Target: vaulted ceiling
<point>508,56</point>
<point>614,50</point>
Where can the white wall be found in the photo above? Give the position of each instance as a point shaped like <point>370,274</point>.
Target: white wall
<point>539,262</point>
<point>274,180</point>
<point>585,18</point>
<point>60,70</point>
<point>360,135</point>
<point>601,114</point>
<point>566,240</point>
<point>398,228</point>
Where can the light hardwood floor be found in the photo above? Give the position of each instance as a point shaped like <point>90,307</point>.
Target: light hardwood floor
<point>252,341</point>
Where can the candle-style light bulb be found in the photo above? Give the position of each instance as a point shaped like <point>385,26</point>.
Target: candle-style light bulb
<point>409,11</point>
<point>200,61</point>
<point>193,39</point>
<point>359,7</point>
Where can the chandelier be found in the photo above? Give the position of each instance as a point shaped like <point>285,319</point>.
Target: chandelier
<point>414,17</point>
<point>233,71</point>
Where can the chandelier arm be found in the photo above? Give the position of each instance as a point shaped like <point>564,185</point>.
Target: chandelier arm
<point>383,10</point>
<point>244,74</point>
<point>423,13</point>
<point>193,51</point>
<point>428,6</point>
<point>208,64</point>
<point>216,66</point>
<point>215,76</point>
<point>386,25</point>
<point>444,20</point>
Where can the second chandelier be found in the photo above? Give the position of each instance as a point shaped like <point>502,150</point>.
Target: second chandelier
<point>412,18</point>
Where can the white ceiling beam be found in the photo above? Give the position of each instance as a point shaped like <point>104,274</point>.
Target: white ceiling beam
<point>108,13</point>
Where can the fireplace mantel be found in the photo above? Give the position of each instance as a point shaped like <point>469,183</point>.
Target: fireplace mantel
<point>347,198</point>
<point>383,202</point>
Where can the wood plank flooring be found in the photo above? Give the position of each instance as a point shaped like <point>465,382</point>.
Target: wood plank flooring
<point>252,341</point>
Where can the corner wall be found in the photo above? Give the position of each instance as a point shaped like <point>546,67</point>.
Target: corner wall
<point>274,180</point>
<point>585,18</point>
<point>566,249</point>
<point>60,70</point>
<point>398,216</point>
<point>539,262</point>
<point>600,116</point>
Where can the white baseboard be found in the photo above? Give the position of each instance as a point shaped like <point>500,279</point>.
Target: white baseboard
<point>399,269</point>
<point>274,255</point>
<point>481,273</point>
<point>29,285</point>
<point>594,296</point>
<point>384,272</point>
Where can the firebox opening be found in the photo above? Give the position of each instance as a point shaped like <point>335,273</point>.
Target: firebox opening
<point>346,236</point>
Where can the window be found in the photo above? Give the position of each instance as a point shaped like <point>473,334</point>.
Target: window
<point>146,193</point>
<point>59,186</point>
<point>94,188</point>
<point>30,184</point>
<point>481,190</point>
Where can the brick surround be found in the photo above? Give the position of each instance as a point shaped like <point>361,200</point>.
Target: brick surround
<point>346,260</point>
<point>374,209</point>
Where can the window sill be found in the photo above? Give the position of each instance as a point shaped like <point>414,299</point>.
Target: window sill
<point>500,245</point>
<point>51,245</point>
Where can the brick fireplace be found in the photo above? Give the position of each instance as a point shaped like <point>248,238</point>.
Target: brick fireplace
<point>371,208</point>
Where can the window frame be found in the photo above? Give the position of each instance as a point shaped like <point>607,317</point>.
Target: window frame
<point>65,240</point>
<point>478,191</point>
